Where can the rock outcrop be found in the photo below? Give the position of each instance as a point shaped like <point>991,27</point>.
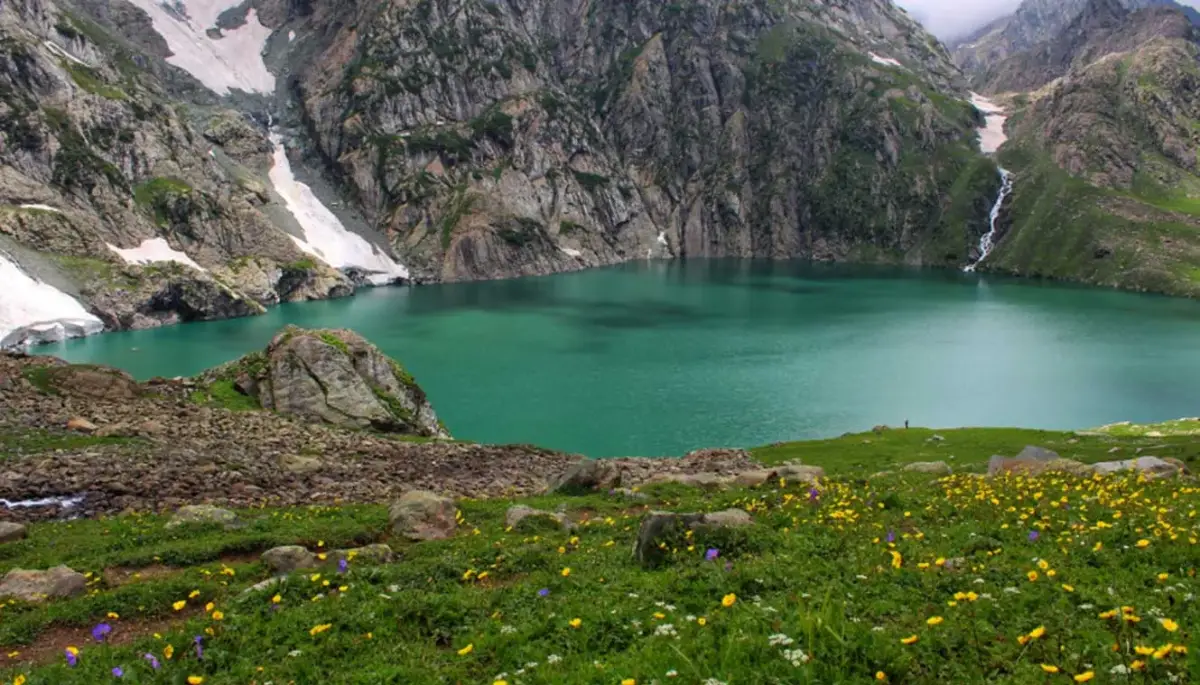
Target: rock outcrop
<point>660,529</point>
<point>37,586</point>
<point>203,514</point>
<point>334,376</point>
<point>422,515</point>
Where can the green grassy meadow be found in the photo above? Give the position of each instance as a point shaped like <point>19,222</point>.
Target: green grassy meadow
<point>900,578</point>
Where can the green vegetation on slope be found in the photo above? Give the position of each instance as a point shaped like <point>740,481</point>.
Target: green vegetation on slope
<point>903,579</point>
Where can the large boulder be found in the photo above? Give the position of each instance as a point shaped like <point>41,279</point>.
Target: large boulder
<point>588,475</point>
<point>203,514</point>
<point>523,518</point>
<point>337,377</point>
<point>423,515</point>
<point>90,382</point>
<point>660,528</point>
<point>11,532</point>
<point>1152,467</point>
<point>704,481</point>
<point>1031,460</point>
<point>35,586</point>
<point>284,560</point>
<point>999,465</point>
<point>378,553</point>
<point>795,471</point>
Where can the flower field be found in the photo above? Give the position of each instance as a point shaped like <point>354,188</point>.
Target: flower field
<point>900,578</point>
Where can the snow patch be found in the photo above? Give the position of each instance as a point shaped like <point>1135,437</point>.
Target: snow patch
<point>570,252</point>
<point>44,208</point>
<point>233,61</point>
<point>64,502</point>
<point>991,136</point>
<point>291,36</point>
<point>324,235</point>
<point>62,52</point>
<point>884,60</point>
<point>154,250</point>
<point>41,310</point>
<point>662,238</point>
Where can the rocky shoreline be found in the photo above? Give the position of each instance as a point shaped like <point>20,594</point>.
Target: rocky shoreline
<point>152,447</point>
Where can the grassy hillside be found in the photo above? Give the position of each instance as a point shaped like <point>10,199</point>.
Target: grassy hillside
<point>902,578</point>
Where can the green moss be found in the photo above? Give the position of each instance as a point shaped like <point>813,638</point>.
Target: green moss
<point>34,440</point>
<point>89,79</point>
<point>591,182</point>
<point>41,377</point>
<point>223,393</point>
<point>457,207</point>
<point>334,341</point>
<point>305,264</point>
<point>158,195</point>
<point>393,405</point>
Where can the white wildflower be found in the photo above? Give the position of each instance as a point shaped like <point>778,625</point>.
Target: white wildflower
<point>796,656</point>
<point>665,630</point>
<point>672,673</point>
<point>507,630</point>
<point>552,659</point>
<point>779,639</point>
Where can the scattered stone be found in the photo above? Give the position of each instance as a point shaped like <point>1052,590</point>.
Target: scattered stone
<point>704,481</point>
<point>588,475</point>
<point>80,424</point>
<point>661,526</point>
<point>880,428</point>
<point>521,517</point>
<point>955,564</point>
<point>11,532</point>
<point>719,455</point>
<point>93,382</point>
<point>35,586</point>
<point>1030,460</point>
<point>940,468</point>
<point>267,584</point>
<point>284,560</point>
<point>755,478</point>
<point>203,514</point>
<point>999,465</point>
<point>423,515</point>
<point>935,438</point>
<point>795,471</point>
<point>630,494</point>
<point>369,554</point>
<point>1152,468</point>
<point>300,465</point>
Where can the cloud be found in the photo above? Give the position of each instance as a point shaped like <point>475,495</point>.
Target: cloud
<point>948,19</point>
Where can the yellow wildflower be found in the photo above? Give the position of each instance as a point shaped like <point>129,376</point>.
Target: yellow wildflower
<point>1169,625</point>
<point>1137,665</point>
<point>1068,588</point>
<point>467,650</point>
<point>178,606</point>
<point>114,615</point>
<point>276,599</point>
<point>1032,576</point>
<point>1050,668</point>
<point>629,681</point>
<point>318,629</point>
<point>575,622</point>
<point>1037,632</point>
<point>909,640</point>
<point>728,600</point>
<point>1085,676</point>
<point>195,679</point>
<point>934,620</point>
<point>1143,543</point>
<point>566,571</point>
<point>880,676</point>
<point>208,607</point>
<point>702,621</point>
<point>218,616</point>
<point>1143,650</point>
<point>193,594</point>
<point>168,652</point>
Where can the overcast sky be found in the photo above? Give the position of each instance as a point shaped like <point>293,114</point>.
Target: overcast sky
<point>951,18</point>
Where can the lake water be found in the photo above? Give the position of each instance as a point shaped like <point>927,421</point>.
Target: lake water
<point>657,358</point>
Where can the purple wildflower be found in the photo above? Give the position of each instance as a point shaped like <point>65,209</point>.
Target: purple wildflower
<point>118,672</point>
<point>72,660</point>
<point>343,565</point>
<point>891,537</point>
<point>813,494</point>
<point>100,631</point>
<point>544,592</point>
<point>1034,535</point>
<point>199,648</point>
<point>712,554</point>
<point>153,660</point>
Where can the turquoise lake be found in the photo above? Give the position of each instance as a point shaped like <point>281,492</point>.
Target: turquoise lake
<point>658,358</point>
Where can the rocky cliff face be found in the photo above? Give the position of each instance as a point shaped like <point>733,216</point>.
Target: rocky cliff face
<point>1103,27</point>
<point>493,139</point>
<point>1033,23</point>
<point>1108,189</point>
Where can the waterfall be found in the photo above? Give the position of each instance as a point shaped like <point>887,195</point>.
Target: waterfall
<point>987,242</point>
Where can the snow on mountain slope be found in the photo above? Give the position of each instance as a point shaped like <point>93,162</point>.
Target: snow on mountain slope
<point>45,312</point>
<point>324,235</point>
<point>154,250</point>
<point>231,62</point>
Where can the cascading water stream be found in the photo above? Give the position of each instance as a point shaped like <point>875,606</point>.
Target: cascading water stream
<point>987,241</point>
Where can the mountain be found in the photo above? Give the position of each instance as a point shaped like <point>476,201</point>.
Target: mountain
<point>1034,22</point>
<point>1107,182</point>
<point>1102,27</point>
<point>199,159</point>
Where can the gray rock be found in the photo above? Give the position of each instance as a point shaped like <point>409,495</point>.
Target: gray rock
<point>423,515</point>
<point>521,517</point>
<point>11,532</point>
<point>795,471</point>
<point>300,465</point>
<point>267,584</point>
<point>661,526</point>
<point>935,467</point>
<point>337,377</point>
<point>1034,453</point>
<point>35,586</point>
<point>704,481</point>
<point>1152,467</point>
<point>284,560</point>
<point>80,425</point>
<point>629,493</point>
<point>200,514</point>
<point>588,475</point>
<point>998,465</point>
<point>369,554</point>
<point>755,477</point>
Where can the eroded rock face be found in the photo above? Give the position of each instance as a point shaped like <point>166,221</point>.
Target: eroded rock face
<point>423,515</point>
<point>36,586</point>
<point>337,377</point>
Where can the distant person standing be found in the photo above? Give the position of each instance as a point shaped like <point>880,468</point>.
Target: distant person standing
<point>905,424</point>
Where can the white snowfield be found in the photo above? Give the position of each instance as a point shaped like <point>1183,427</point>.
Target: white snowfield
<point>884,60</point>
<point>154,250</point>
<point>325,237</point>
<point>26,302</point>
<point>232,62</point>
<point>991,136</point>
<point>44,208</point>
